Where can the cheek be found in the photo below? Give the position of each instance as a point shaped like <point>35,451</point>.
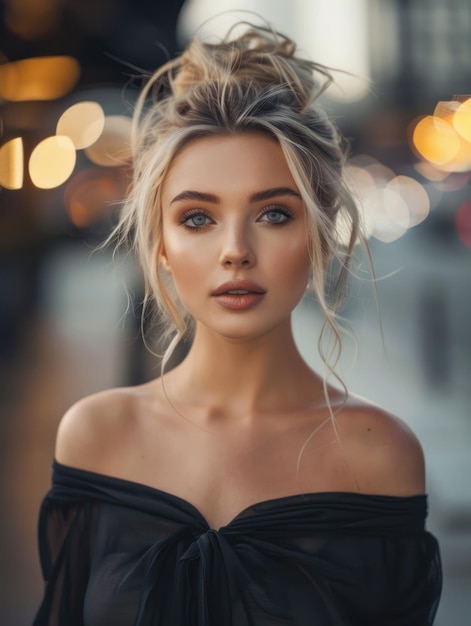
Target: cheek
<point>292,265</point>
<point>187,262</point>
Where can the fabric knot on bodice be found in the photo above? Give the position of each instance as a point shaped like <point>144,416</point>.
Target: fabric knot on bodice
<point>203,544</point>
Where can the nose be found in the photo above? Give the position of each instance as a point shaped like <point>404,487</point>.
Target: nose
<point>237,251</point>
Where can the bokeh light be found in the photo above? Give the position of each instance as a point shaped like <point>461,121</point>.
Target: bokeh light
<point>436,140</point>
<point>92,194</point>
<point>462,160</point>
<point>414,195</point>
<point>430,172</point>
<point>463,223</point>
<point>389,205</point>
<point>445,109</point>
<point>52,162</point>
<point>390,214</point>
<point>11,164</point>
<point>112,149</point>
<point>83,123</point>
<point>361,184</point>
<point>380,173</point>
<point>444,138</point>
<point>462,120</point>
<point>32,19</point>
<point>41,78</point>
<point>454,181</point>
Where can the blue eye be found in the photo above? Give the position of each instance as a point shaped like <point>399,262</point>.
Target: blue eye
<point>276,216</point>
<point>196,220</point>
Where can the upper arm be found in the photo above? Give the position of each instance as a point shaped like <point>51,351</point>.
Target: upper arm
<point>386,456</point>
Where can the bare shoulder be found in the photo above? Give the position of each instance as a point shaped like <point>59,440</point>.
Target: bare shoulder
<point>386,455</point>
<point>94,432</point>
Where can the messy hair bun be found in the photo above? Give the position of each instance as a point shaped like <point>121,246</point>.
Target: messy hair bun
<point>252,82</point>
<point>258,58</point>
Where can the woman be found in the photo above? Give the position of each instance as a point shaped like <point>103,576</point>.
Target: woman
<point>240,487</point>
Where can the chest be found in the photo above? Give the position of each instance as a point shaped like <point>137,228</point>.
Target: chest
<point>222,475</point>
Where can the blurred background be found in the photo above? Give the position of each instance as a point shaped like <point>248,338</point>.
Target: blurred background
<point>69,75</point>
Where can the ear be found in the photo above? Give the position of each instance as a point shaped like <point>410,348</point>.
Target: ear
<point>163,260</point>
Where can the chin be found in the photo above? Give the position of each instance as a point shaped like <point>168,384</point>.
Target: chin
<point>246,332</point>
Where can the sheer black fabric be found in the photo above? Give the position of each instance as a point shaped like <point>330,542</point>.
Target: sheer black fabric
<point>119,553</point>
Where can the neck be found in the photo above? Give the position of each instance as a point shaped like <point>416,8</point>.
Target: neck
<point>245,376</point>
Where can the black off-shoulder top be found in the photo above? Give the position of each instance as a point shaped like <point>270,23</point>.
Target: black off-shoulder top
<point>118,553</point>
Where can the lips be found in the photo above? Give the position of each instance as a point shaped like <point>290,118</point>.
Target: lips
<point>238,287</point>
<point>238,295</point>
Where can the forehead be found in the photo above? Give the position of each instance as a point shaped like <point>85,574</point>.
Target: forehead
<point>226,164</point>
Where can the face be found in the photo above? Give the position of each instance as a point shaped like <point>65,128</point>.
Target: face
<point>234,234</point>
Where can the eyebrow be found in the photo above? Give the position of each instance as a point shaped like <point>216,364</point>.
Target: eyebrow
<point>258,196</point>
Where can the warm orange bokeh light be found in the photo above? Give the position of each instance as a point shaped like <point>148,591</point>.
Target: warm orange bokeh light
<point>445,109</point>
<point>436,140</point>
<point>461,162</point>
<point>11,164</point>
<point>42,78</point>
<point>52,162</point>
<point>462,120</point>
<point>83,123</point>
<point>32,19</point>
<point>92,194</point>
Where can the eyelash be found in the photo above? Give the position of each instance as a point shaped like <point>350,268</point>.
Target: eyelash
<point>270,209</point>
<point>192,213</point>
<point>278,209</point>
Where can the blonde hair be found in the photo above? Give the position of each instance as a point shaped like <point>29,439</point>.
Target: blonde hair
<point>253,82</point>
